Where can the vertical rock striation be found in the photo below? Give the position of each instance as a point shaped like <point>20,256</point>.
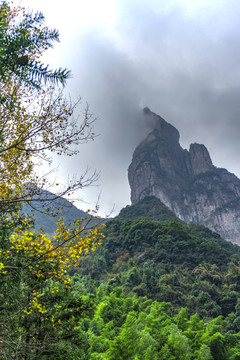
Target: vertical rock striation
<point>185,181</point>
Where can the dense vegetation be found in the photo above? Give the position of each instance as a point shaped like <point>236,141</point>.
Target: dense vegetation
<point>181,284</point>
<point>154,290</point>
<point>169,261</point>
<point>150,207</point>
<point>124,327</point>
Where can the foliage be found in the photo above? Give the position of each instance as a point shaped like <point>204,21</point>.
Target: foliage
<point>23,39</point>
<point>122,327</point>
<point>168,261</point>
<point>149,207</point>
<point>33,266</point>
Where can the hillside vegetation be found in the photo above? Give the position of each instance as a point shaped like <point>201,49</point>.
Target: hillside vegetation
<point>161,290</point>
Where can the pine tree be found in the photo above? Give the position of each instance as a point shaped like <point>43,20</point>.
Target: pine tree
<point>21,44</point>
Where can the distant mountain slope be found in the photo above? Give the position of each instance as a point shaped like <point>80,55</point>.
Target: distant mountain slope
<point>42,217</point>
<point>185,181</point>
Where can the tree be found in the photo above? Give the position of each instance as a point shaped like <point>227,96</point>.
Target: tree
<point>179,343</point>
<point>33,124</point>
<point>22,43</point>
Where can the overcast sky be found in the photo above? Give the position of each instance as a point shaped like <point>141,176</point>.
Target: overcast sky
<point>181,58</point>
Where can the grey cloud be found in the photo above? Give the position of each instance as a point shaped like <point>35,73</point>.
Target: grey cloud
<point>185,68</point>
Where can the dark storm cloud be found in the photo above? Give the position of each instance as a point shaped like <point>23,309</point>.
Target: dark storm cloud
<point>185,67</point>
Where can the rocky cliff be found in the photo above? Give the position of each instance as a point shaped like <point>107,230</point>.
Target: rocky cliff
<point>185,181</point>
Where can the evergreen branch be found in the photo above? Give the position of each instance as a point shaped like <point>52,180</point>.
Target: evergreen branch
<point>39,72</point>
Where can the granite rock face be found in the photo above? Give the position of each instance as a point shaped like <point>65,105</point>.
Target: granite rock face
<point>185,181</point>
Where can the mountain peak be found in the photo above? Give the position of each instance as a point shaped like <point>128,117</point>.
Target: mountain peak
<point>160,127</point>
<point>185,181</point>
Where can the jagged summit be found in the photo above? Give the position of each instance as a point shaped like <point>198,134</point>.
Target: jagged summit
<point>161,128</point>
<point>185,181</point>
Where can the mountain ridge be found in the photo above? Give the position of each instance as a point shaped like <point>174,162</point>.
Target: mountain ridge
<point>46,213</point>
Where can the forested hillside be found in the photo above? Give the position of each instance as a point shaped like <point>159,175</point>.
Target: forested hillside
<point>161,290</point>
<point>187,265</point>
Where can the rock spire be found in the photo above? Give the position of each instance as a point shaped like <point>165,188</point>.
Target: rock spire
<point>185,181</point>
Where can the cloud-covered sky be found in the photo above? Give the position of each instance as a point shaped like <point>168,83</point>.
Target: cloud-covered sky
<point>181,58</point>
